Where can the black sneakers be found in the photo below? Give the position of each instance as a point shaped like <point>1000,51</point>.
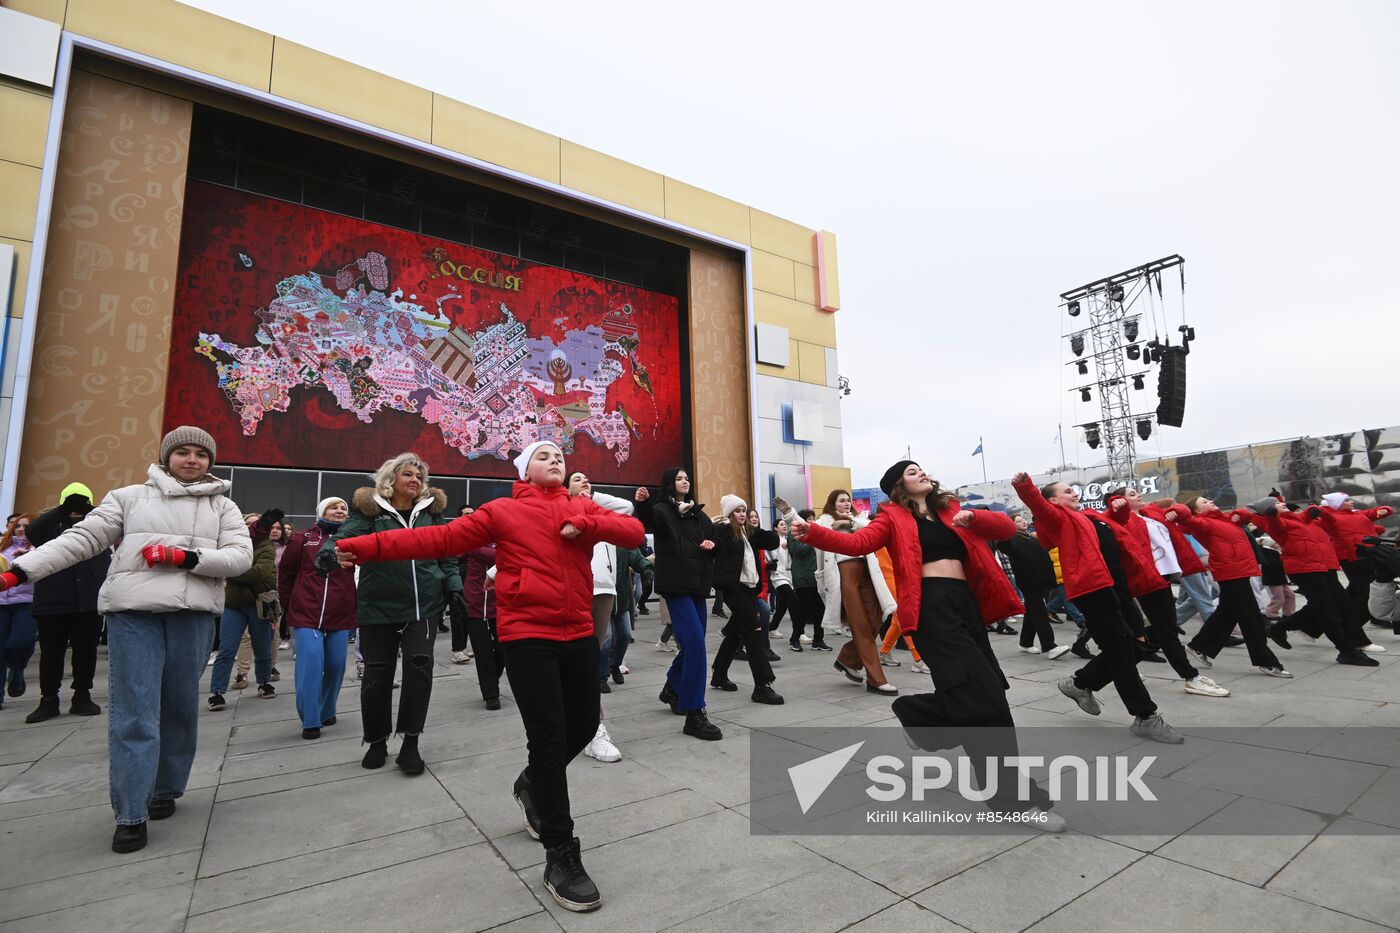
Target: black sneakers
<point>312,733</point>
<point>409,761</point>
<point>82,704</point>
<point>375,756</point>
<point>161,809</point>
<point>766,694</point>
<point>1357,657</point>
<point>1279,636</point>
<point>493,702</point>
<point>521,793</point>
<point>47,709</point>
<point>699,725</point>
<point>129,838</point>
<point>565,878</point>
<point>723,683</point>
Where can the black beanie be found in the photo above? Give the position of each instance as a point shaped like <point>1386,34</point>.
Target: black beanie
<point>893,475</point>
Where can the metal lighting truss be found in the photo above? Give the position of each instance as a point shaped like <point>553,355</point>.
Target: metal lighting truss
<point>1108,304</point>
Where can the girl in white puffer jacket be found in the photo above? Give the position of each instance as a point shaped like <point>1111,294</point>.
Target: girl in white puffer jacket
<point>177,538</point>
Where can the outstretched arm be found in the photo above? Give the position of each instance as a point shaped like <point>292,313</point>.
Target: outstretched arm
<point>600,524</point>
<point>1046,514</point>
<point>856,544</point>
<point>430,542</point>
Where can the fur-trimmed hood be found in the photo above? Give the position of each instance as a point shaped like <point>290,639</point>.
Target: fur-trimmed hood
<point>367,502</point>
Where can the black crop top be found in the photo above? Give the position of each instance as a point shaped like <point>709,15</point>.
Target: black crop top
<point>938,541</point>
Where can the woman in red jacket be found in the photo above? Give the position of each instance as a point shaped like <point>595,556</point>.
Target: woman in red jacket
<point>320,610</point>
<point>950,585</point>
<point>1088,582</point>
<point>1311,563</point>
<point>1347,525</point>
<point>544,617</point>
<point>1232,561</point>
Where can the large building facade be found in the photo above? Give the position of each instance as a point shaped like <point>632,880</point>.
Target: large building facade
<point>204,223</point>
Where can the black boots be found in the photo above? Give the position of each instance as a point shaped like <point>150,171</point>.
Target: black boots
<point>161,809</point>
<point>409,761</point>
<point>48,709</point>
<point>699,725</point>
<point>129,838</point>
<point>766,694</point>
<point>567,881</point>
<point>720,682</point>
<point>375,757</point>
<point>82,704</point>
<point>668,696</point>
<point>521,793</point>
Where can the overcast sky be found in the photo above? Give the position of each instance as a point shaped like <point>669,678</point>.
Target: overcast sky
<point>977,159</point>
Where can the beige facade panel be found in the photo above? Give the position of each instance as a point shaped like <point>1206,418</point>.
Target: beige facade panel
<point>805,322</point>
<point>720,412</point>
<point>704,210</point>
<point>811,363</point>
<point>25,118</point>
<point>781,237</point>
<point>611,179</point>
<point>772,274</point>
<point>805,277</point>
<point>51,10</point>
<point>825,479</point>
<point>323,81</point>
<point>23,249</point>
<point>491,138</point>
<point>19,199</point>
<point>180,34</point>
<point>97,393</point>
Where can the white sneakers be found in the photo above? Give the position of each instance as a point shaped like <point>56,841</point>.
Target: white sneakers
<point>1274,671</point>
<point>602,747</point>
<point>1203,686</point>
<point>1373,648</point>
<point>1030,649</point>
<point>665,646</point>
<point>461,657</point>
<point>1054,654</point>
<point>887,661</point>
<point>804,639</point>
<point>919,667</point>
<point>776,633</point>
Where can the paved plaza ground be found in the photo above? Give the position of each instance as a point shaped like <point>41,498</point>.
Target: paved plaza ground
<point>278,832</point>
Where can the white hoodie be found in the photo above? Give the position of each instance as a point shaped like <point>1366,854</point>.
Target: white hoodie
<point>604,554</point>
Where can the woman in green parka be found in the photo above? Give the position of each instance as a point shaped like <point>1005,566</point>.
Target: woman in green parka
<point>398,605</point>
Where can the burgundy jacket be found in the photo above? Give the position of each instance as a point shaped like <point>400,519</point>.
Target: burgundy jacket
<point>310,600</point>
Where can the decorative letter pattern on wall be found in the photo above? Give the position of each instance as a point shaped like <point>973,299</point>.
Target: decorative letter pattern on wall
<point>719,375</point>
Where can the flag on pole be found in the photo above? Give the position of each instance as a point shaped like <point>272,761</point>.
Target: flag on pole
<point>978,450</point>
<point>1056,439</point>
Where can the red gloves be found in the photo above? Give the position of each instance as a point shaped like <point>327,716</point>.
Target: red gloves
<point>163,554</point>
<point>9,580</point>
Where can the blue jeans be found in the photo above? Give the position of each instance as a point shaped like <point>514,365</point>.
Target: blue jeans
<point>320,669</point>
<point>615,642</point>
<point>1055,602</point>
<point>231,627</point>
<point>17,636</point>
<point>687,673</point>
<point>155,660</point>
<point>1194,598</point>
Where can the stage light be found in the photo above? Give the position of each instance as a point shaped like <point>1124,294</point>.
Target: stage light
<point>1073,309</point>
<point>1091,436</point>
<point>1083,367</point>
<point>1116,294</point>
<point>1076,343</point>
<point>1188,333</point>
<point>1144,429</point>
<point>1137,381</point>
<point>1134,351</point>
<point>1084,394</point>
<point>1130,329</point>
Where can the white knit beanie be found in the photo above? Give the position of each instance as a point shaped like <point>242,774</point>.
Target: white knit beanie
<point>1334,500</point>
<point>327,503</point>
<point>522,461</point>
<point>727,504</point>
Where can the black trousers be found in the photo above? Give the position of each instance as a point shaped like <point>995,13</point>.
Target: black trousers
<point>1360,576</point>
<point>1237,606</point>
<point>1159,607</point>
<point>782,603</point>
<point>57,633</point>
<point>555,684</point>
<point>746,628</point>
<point>968,706</point>
<point>1036,623</point>
<point>1116,662</point>
<point>486,652</point>
<point>380,645</point>
<point>809,609</point>
<point>1327,612</point>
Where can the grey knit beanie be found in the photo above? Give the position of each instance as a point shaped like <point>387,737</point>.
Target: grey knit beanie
<point>185,434</point>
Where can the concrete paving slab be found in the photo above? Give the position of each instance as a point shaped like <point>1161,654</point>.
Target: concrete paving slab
<point>161,910</point>
<point>887,860</point>
<point>905,917</point>
<point>1339,870</point>
<point>103,884</point>
<point>830,898</point>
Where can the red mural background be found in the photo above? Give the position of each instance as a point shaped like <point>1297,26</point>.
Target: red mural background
<point>245,260</point>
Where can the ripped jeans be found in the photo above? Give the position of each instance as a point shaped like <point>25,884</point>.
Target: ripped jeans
<point>381,645</point>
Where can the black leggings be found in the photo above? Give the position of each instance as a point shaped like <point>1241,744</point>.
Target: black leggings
<point>486,651</point>
<point>808,610</point>
<point>1237,607</point>
<point>782,600</point>
<point>1116,662</point>
<point>555,684</point>
<point>746,628</point>
<point>1036,622</point>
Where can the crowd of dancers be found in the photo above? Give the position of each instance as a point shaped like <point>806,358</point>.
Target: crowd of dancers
<point>545,587</point>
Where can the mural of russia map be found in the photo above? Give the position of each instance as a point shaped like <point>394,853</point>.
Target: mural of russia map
<point>432,345</point>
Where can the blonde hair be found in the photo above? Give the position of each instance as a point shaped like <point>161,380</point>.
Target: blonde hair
<point>384,476</point>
